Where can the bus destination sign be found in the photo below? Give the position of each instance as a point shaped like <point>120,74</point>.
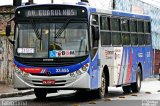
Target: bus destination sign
<point>42,13</point>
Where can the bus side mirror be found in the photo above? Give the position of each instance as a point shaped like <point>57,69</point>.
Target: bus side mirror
<point>95,33</point>
<point>8,30</point>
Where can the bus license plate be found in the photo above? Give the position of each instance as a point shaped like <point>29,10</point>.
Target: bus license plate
<point>48,82</point>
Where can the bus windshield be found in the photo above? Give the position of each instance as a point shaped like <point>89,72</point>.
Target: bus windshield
<point>49,40</point>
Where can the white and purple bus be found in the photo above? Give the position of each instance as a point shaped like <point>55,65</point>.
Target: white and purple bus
<point>79,47</point>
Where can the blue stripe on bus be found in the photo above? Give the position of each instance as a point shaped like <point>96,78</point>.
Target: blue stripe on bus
<point>53,70</point>
<point>130,15</point>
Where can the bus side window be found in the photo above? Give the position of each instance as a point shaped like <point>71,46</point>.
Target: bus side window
<point>147,39</point>
<point>147,27</point>
<point>133,25</point>
<point>140,26</point>
<point>134,39</point>
<point>95,19</point>
<point>116,35</point>
<point>116,38</point>
<point>141,40</point>
<point>104,23</point>
<point>105,30</point>
<point>95,30</point>
<point>124,24</point>
<point>126,39</point>
<point>115,24</point>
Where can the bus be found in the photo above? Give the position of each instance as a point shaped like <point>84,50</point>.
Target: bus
<point>79,47</point>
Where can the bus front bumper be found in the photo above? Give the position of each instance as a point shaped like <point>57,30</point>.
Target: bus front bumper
<point>61,82</point>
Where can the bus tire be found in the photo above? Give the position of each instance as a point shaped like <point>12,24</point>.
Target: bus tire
<point>126,89</point>
<point>135,87</point>
<point>100,92</point>
<point>40,93</point>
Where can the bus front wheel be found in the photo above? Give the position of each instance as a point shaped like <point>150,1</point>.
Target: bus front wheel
<point>40,93</point>
<point>100,92</point>
<point>135,87</point>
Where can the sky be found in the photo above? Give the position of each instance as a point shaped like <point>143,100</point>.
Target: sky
<point>98,3</point>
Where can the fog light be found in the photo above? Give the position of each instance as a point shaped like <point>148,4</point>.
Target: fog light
<point>72,74</point>
<point>25,74</point>
<point>79,72</point>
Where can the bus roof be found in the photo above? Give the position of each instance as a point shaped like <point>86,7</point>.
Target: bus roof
<point>97,10</point>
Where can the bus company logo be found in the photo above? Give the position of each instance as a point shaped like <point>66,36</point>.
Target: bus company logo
<point>63,53</point>
<point>48,73</point>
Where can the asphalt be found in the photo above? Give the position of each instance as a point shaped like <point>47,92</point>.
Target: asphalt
<point>9,91</point>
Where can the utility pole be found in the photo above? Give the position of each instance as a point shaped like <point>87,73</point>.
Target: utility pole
<point>52,1</point>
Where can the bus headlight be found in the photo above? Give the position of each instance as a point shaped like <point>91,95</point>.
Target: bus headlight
<point>20,72</point>
<point>84,68</point>
<point>17,70</point>
<point>80,71</point>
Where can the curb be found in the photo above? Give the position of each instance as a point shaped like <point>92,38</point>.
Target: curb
<point>17,94</point>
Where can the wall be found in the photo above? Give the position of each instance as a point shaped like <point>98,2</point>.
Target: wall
<point>6,54</point>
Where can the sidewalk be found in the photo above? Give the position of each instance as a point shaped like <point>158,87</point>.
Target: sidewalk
<point>9,91</point>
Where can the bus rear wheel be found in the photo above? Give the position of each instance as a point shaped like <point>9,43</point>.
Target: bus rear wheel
<point>126,89</point>
<point>40,93</point>
<point>135,87</point>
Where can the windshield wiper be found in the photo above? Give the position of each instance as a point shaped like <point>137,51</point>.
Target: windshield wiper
<point>36,30</point>
<point>60,31</point>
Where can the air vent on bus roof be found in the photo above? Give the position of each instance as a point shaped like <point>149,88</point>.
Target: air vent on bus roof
<point>83,2</point>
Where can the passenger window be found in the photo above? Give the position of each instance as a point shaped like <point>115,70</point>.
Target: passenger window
<point>105,38</point>
<point>133,25</point>
<point>147,27</point>
<point>115,24</point>
<point>95,19</point>
<point>134,39</point>
<point>126,39</point>
<point>141,40</point>
<point>116,38</point>
<point>125,24</point>
<point>140,26</point>
<point>147,39</point>
<point>105,23</point>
